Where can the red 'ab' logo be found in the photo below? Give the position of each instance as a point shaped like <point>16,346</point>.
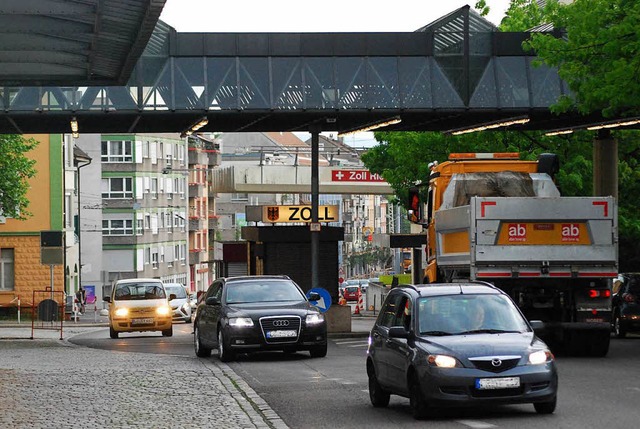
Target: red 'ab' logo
<point>517,232</point>
<point>570,232</point>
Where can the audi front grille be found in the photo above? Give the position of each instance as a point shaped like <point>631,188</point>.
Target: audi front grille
<point>279,323</point>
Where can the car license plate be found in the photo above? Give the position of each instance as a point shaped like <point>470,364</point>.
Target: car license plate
<point>285,333</point>
<point>497,383</point>
<point>147,321</point>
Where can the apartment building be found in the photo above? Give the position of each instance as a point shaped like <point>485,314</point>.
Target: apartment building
<point>134,209</point>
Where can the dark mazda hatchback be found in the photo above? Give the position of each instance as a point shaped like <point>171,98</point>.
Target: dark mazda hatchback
<point>463,344</point>
<point>258,313</point>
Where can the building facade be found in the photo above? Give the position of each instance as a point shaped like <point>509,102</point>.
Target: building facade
<point>134,208</point>
<point>21,270</point>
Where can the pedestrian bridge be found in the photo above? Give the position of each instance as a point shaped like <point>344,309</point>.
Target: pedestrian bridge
<point>456,72</point>
<point>272,179</point>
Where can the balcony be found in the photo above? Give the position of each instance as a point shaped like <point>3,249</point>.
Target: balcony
<point>198,257</point>
<point>195,224</point>
<point>213,222</point>
<point>198,157</point>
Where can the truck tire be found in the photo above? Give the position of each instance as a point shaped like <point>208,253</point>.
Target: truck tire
<point>599,346</point>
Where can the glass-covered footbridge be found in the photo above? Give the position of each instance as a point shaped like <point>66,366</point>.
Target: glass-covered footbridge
<point>456,72</point>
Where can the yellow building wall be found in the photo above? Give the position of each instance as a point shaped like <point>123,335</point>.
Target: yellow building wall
<point>24,235</point>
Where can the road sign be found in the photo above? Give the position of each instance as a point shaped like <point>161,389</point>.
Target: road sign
<point>355,176</point>
<point>324,302</point>
<point>341,280</point>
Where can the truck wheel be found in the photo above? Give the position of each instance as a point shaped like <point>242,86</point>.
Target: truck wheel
<point>168,332</point>
<point>617,327</point>
<point>113,333</point>
<point>600,344</point>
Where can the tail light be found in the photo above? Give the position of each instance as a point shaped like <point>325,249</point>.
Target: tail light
<point>599,293</point>
<point>629,297</point>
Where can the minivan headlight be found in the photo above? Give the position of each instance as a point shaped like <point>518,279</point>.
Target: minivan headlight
<point>442,361</point>
<point>540,357</point>
<point>314,319</point>
<point>121,312</point>
<point>163,310</point>
<point>240,322</point>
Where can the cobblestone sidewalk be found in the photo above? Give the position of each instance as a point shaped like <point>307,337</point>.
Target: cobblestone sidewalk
<point>48,383</point>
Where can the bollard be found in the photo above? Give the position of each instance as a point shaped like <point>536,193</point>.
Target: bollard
<point>18,309</point>
<point>95,313</point>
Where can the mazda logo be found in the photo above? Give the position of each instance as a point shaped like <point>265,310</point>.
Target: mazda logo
<point>496,362</point>
<point>280,323</point>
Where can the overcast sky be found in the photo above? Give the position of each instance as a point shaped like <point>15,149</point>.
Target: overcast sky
<point>327,16</point>
<point>272,16</point>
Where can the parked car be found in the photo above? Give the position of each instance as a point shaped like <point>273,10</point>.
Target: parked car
<point>626,304</point>
<point>180,305</point>
<point>139,305</point>
<point>193,301</point>
<point>258,313</point>
<point>462,344</point>
<point>352,293</point>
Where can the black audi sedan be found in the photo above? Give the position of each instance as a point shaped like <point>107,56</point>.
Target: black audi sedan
<point>463,344</point>
<point>258,313</point>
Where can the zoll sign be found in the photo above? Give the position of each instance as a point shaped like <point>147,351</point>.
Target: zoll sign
<point>355,176</point>
<point>296,214</point>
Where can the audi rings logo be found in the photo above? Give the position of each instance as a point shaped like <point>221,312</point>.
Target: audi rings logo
<point>280,323</point>
<point>496,362</point>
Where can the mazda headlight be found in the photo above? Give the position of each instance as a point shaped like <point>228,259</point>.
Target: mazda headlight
<point>121,312</point>
<point>442,361</point>
<point>314,319</point>
<point>240,322</point>
<point>163,310</point>
<point>540,357</point>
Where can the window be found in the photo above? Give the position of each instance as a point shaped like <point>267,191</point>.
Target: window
<point>117,227</point>
<point>239,197</point>
<point>6,269</point>
<point>154,259</point>
<point>154,188</point>
<point>389,312</point>
<point>117,187</point>
<point>147,256</point>
<point>117,151</point>
<point>139,226</point>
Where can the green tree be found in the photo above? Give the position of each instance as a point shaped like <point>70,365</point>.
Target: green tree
<point>15,170</point>
<point>597,56</point>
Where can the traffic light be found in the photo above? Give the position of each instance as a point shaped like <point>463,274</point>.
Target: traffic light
<point>415,205</point>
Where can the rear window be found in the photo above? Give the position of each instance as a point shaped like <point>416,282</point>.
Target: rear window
<point>133,291</point>
<point>352,289</point>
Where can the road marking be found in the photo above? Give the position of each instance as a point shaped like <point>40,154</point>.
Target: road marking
<point>360,345</point>
<point>637,389</point>
<point>476,424</point>
<point>350,342</point>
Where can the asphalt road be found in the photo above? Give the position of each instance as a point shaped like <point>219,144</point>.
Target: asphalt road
<point>332,391</point>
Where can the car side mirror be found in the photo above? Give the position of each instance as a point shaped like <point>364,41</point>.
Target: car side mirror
<point>172,296</point>
<point>398,332</point>
<point>107,299</point>
<point>536,325</point>
<point>212,300</point>
<point>314,296</point>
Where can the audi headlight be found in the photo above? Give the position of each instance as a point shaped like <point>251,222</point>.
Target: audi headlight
<point>540,357</point>
<point>442,361</point>
<point>163,310</point>
<point>121,312</point>
<point>314,318</point>
<point>240,322</point>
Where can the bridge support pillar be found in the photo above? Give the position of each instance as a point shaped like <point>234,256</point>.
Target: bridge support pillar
<point>605,165</point>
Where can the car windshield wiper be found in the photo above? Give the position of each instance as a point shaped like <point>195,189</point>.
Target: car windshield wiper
<point>489,331</point>
<point>436,333</point>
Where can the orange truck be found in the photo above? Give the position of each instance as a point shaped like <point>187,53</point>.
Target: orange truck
<point>496,218</point>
